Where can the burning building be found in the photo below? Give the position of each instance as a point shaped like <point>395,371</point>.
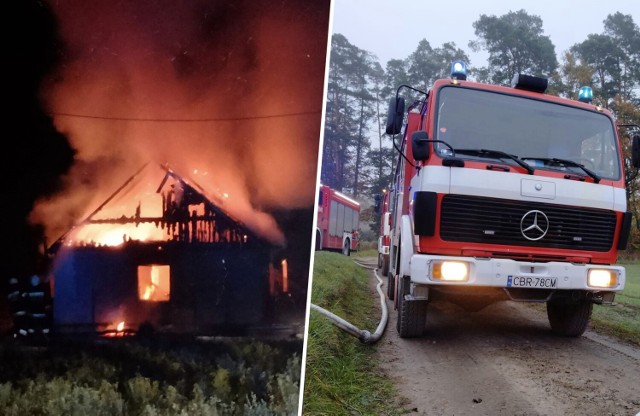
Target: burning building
<point>235,87</point>
<point>163,252</point>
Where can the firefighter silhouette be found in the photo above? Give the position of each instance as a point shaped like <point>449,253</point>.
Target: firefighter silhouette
<point>31,301</point>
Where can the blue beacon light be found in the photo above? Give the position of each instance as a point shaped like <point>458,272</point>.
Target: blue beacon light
<point>585,94</point>
<point>459,70</point>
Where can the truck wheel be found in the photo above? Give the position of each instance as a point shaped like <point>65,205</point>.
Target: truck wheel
<point>318,241</point>
<point>412,315</point>
<point>346,250</point>
<point>569,319</point>
<point>380,256</point>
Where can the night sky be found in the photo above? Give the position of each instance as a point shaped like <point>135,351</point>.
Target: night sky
<point>36,154</point>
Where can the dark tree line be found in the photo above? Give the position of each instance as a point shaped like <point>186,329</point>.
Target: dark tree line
<point>359,157</point>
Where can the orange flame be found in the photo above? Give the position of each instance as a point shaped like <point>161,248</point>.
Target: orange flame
<point>148,291</point>
<point>285,276</point>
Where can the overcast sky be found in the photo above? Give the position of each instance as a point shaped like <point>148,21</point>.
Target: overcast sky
<point>391,29</point>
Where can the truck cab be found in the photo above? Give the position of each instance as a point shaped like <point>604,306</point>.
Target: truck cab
<point>506,193</point>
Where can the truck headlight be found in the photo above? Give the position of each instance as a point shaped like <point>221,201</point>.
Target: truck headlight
<point>602,278</point>
<point>451,271</point>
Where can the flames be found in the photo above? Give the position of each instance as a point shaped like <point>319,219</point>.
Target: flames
<point>142,82</point>
<point>158,204</point>
<point>154,282</point>
<point>279,278</point>
<point>285,276</point>
<point>116,330</point>
<point>148,292</point>
<point>105,235</point>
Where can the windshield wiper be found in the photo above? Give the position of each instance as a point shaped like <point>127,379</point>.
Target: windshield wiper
<point>497,154</point>
<point>567,162</point>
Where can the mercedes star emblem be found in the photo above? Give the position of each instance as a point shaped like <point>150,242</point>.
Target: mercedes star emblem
<point>534,225</point>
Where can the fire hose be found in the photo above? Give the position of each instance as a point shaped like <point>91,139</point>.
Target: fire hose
<point>363,335</point>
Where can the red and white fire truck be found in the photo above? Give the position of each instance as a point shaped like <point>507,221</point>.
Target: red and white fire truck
<point>338,221</point>
<point>506,193</point>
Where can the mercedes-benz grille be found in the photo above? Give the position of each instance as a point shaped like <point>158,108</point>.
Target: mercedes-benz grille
<point>525,223</point>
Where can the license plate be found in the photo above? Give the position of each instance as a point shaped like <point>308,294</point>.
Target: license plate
<point>533,282</point>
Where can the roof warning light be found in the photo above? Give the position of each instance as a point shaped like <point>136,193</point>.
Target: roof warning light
<point>459,70</point>
<point>585,95</point>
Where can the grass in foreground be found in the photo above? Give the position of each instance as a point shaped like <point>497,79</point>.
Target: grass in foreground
<point>341,376</point>
<point>622,319</point>
<point>138,379</point>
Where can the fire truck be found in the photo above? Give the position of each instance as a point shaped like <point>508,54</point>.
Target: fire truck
<point>338,221</point>
<point>505,193</point>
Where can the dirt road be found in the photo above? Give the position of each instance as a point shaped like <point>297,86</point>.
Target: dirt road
<point>503,360</point>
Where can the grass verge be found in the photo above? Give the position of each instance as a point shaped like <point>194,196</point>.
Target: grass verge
<point>369,252</point>
<point>622,319</point>
<point>341,374</point>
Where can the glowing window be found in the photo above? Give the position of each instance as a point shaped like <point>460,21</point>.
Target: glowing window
<point>154,282</point>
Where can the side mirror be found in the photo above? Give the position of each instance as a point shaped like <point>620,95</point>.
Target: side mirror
<point>395,115</point>
<point>420,145</point>
<point>635,151</point>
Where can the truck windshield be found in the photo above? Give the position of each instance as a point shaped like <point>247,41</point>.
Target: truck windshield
<point>535,131</point>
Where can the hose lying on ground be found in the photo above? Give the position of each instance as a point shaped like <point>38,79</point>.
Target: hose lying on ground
<point>363,335</point>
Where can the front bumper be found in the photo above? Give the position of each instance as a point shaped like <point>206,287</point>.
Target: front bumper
<point>508,273</point>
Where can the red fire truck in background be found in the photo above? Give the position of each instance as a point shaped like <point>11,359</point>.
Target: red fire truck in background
<point>506,193</point>
<point>338,221</point>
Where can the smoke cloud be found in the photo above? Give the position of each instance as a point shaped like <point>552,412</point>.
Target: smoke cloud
<point>228,91</point>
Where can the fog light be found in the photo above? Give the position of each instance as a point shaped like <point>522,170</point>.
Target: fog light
<point>602,278</point>
<point>452,271</point>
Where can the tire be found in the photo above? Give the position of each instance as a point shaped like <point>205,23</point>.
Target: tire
<point>400,295</point>
<point>412,315</point>
<point>380,256</point>
<point>391,286</point>
<point>569,319</point>
<point>318,241</point>
<point>346,250</point>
